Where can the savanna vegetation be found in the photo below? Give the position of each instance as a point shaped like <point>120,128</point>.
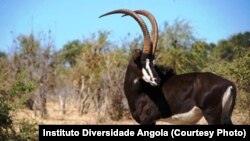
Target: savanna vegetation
<point>89,74</point>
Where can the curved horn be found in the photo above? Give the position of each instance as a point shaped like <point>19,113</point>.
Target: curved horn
<point>154,33</point>
<point>147,49</point>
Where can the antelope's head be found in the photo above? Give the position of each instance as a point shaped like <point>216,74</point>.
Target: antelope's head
<point>143,59</point>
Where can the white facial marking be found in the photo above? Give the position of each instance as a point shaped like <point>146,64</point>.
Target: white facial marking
<point>148,68</point>
<point>147,74</point>
<point>136,80</point>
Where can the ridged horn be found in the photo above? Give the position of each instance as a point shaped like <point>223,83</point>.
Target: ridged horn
<point>154,33</point>
<point>147,48</point>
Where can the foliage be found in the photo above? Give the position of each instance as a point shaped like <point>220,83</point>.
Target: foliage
<point>179,49</point>
<point>9,102</point>
<point>28,130</point>
<point>71,51</point>
<point>100,70</point>
<point>92,71</point>
<point>178,35</point>
<point>3,55</point>
<point>240,71</point>
<point>233,48</point>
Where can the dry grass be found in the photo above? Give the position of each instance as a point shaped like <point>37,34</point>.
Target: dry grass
<point>72,117</point>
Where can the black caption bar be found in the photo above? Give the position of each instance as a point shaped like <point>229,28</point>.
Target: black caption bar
<point>79,132</point>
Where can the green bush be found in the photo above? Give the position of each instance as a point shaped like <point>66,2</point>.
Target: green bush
<point>9,130</point>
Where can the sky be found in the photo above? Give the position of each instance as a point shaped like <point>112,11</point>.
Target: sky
<point>212,20</point>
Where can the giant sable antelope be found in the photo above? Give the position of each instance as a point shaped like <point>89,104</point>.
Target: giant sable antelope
<point>156,93</point>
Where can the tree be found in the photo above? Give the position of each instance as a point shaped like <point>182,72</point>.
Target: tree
<point>10,100</point>
<point>71,51</point>
<point>179,35</point>
<point>3,55</point>
<point>37,60</point>
<point>234,47</point>
<point>175,43</point>
<point>98,77</point>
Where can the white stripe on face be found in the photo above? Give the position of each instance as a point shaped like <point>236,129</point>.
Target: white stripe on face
<point>147,74</point>
<point>148,68</point>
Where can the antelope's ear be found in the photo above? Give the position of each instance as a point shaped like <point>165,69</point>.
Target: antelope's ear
<point>136,54</point>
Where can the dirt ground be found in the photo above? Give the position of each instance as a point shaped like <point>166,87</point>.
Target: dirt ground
<point>73,118</point>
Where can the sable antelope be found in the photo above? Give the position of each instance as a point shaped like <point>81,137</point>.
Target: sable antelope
<point>155,93</point>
